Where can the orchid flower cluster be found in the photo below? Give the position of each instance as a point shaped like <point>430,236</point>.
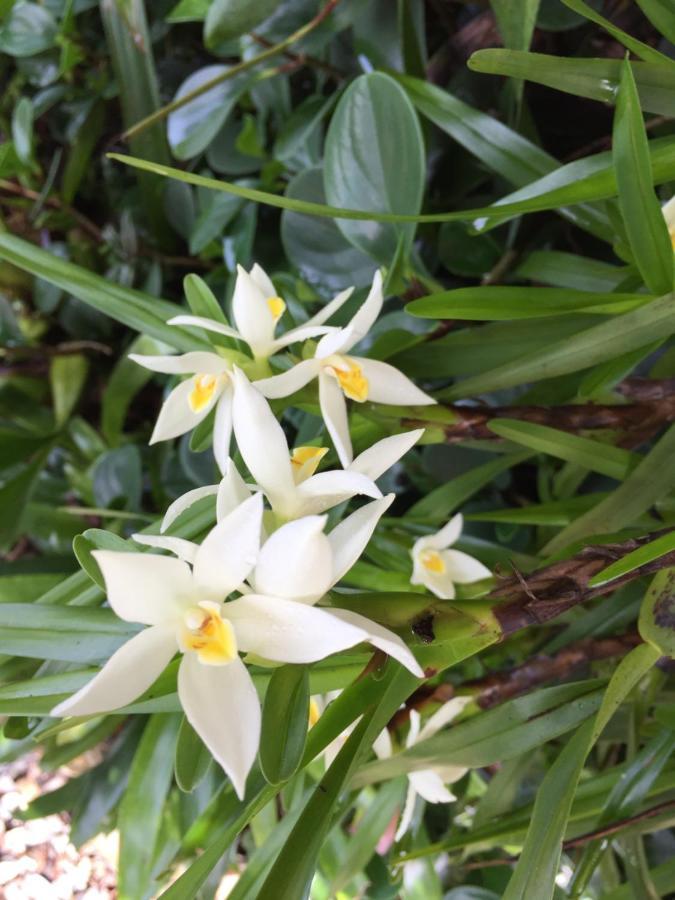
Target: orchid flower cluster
<point>252,586</point>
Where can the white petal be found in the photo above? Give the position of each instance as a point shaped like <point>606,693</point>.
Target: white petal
<point>222,428</point>
<point>414,729</point>
<point>430,787</point>
<point>263,281</point>
<point>207,325</point>
<point>232,491</point>
<point>286,631</point>
<point>295,562</point>
<point>327,489</point>
<point>262,442</point>
<point>301,333</point>
<point>668,210</point>
<point>198,361</point>
<point>387,385</point>
<point>334,412</point>
<point>382,638</point>
<point>382,745</point>
<point>330,308</point>
<point>350,537</point>
<point>176,417</point>
<point>446,537</point>
<point>334,342</point>
<point>144,587</point>
<point>407,814</point>
<point>366,316</point>
<point>129,672</point>
<point>229,551</point>
<point>288,382</point>
<point>184,502</point>
<point>375,461</point>
<point>252,315</point>
<point>441,585</point>
<point>443,716</point>
<point>181,548</point>
<point>221,704</point>
<point>462,568</point>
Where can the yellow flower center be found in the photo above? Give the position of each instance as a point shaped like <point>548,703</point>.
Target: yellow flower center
<point>305,461</point>
<point>432,562</point>
<point>351,379</point>
<point>314,712</point>
<point>208,634</point>
<point>202,393</point>
<point>277,307</point>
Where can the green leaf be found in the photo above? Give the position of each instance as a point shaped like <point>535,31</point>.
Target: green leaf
<point>586,452</point>
<point>568,270</point>
<point>67,375</point>
<point>642,217</point>
<point>28,29</point>
<point>140,813</point>
<point>15,492</point>
<point>597,79</point>
<point>374,135</point>
<point>644,51</point>
<point>202,300</point>
<point>192,759</point>
<point>660,14</point>
<point>284,723</point>
<point>645,554</point>
<point>22,130</point>
<point>228,19</point>
<point>485,304</point>
<point>581,351</point>
<point>657,614</point>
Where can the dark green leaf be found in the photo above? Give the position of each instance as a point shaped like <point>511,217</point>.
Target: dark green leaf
<point>284,723</point>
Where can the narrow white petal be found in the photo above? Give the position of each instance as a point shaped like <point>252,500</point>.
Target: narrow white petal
<point>229,551</point>
<point>295,562</point>
<point>382,638</point>
<point>446,537</point>
<point>387,384</point>
<point>181,548</point>
<point>221,704</point>
<point>261,441</point>
<point>176,416</point>
<point>129,672</point>
<point>350,537</point>
<point>301,333</point>
<point>429,786</point>
<point>286,631</point>
<point>375,461</point>
<point>407,814</point>
<point>668,210</point>
<point>414,729</point>
<point>330,308</point>
<point>334,412</point>
<point>462,568</point>
<point>232,491</point>
<point>184,502</point>
<point>382,745</point>
<point>252,315</point>
<point>144,587</point>
<point>222,428</point>
<point>334,342</point>
<point>443,716</point>
<point>366,316</point>
<point>186,364</point>
<point>207,325</point>
<point>288,382</point>
<point>327,489</point>
<point>263,281</point>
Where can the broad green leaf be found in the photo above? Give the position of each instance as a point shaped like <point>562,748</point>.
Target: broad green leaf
<point>642,217</point>
<point>300,126</point>
<point>132,308</point>
<point>228,19</point>
<point>373,136</point>
<point>646,484</point>
<point>644,51</point>
<point>16,489</point>
<point>284,723</point>
<point>28,29</point>
<point>657,614</point>
<point>486,304</point>
<point>597,79</point>
<point>535,872</point>
<point>67,375</point>
<point>140,813</point>
<point>581,351</point>
<point>591,454</point>
<point>515,727</point>
<point>568,270</point>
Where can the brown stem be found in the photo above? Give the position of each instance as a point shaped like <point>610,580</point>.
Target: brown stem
<point>303,59</point>
<point>10,187</point>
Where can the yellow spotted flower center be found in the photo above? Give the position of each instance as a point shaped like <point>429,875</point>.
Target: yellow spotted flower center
<point>433,562</point>
<point>351,379</point>
<point>202,393</point>
<point>277,307</point>
<point>305,461</point>
<point>314,712</point>
<point>210,636</point>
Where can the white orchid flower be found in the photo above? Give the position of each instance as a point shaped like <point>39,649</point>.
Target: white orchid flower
<point>430,784</point>
<point>668,210</point>
<point>317,705</point>
<point>256,310</point>
<point>438,568</point>
<point>287,478</point>
<point>344,376</point>
<point>192,400</point>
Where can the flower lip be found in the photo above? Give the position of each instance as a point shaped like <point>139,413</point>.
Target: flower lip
<point>205,631</point>
<point>205,386</point>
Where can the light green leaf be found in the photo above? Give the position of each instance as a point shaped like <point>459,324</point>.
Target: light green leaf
<point>660,14</point>
<point>67,375</point>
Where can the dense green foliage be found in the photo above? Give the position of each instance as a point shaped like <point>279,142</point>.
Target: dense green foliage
<point>506,165</point>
